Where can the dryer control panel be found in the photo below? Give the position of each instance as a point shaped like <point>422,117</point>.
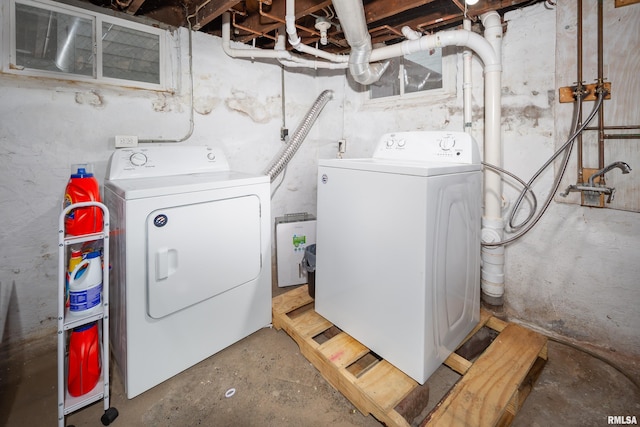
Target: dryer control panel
<point>166,160</point>
<point>428,146</point>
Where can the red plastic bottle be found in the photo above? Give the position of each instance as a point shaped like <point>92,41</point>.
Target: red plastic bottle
<point>84,360</point>
<point>82,187</point>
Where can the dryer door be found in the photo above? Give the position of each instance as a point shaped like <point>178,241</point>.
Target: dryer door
<point>197,251</point>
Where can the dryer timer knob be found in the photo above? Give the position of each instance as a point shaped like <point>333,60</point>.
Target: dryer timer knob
<point>138,159</point>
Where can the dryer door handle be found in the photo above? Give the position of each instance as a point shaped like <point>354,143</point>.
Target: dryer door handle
<point>166,263</point>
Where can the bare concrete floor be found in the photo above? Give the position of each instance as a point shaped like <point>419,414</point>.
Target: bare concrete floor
<point>276,386</point>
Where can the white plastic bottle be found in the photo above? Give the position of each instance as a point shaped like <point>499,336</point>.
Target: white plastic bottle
<point>85,292</point>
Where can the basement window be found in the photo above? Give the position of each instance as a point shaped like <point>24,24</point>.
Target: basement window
<point>413,75</point>
<point>60,41</point>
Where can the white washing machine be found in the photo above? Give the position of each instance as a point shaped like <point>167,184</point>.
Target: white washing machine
<point>398,247</point>
<point>191,259</point>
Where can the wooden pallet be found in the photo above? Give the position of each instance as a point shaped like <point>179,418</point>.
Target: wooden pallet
<point>489,393</point>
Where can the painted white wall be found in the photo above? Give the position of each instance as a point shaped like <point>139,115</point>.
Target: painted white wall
<point>49,125</point>
<point>575,273</point>
<point>621,38</point>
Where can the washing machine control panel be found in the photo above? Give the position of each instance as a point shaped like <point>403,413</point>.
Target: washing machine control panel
<point>153,161</point>
<point>426,146</point>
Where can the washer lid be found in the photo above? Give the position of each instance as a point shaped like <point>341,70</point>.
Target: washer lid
<point>402,167</point>
<point>139,188</point>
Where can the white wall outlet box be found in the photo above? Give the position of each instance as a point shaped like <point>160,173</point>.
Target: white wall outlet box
<point>126,141</point>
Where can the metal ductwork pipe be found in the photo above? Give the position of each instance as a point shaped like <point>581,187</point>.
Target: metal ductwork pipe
<point>287,152</point>
<point>354,25</point>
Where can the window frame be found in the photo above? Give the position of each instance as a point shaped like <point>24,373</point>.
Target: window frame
<point>10,55</point>
<point>448,89</point>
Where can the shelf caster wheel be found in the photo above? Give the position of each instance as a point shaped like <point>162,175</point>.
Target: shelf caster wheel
<point>109,415</point>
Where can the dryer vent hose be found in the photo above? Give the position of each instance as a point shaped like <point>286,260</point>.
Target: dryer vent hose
<point>287,152</point>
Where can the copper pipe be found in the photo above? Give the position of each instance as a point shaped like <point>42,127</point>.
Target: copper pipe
<point>601,87</point>
<point>386,27</point>
<point>250,30</point>
<point>615,127</point>
<point>621,136</point>
<point>580,88</point>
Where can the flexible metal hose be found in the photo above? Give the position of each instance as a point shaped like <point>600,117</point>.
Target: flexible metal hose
<point>287,152</point>
<point>566,149</point>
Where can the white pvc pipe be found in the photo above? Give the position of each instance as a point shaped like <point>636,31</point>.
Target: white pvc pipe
<point>309,63</point>
<point>492,133</point>
<point>411,34</point>
<point>284,56</point>
<point>247,52</point>
<point>492,282</point>
<point>296,41</point>
<point>444,38</point>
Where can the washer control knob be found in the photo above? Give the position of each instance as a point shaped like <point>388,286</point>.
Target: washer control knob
<point>402,143</point>
<point>447,143</point>
<point>211,156</point>
<point>390,143</point>
<point>138,159</point>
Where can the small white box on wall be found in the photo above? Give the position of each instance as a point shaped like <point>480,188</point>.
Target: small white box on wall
<point>294,232</point>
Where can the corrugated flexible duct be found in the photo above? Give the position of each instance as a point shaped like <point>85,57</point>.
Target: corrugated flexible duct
<point>351,16</point>
<point>287,152</point>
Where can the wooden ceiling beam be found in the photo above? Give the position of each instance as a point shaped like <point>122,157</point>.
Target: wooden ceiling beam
<point>255,21</point>
<point>207,11</point>
<point>381,9</point>
<point>133,7</point>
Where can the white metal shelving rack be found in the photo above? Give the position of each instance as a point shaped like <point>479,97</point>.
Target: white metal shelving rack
<point>67,403</point>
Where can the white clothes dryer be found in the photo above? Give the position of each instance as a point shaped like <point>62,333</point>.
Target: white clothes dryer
<point>398,247</point>
<point>191,259</point>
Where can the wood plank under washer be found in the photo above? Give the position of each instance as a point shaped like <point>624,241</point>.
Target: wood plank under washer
<point>499,363</point>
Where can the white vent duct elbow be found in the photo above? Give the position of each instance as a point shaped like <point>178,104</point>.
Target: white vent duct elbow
<point>351,16</point>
